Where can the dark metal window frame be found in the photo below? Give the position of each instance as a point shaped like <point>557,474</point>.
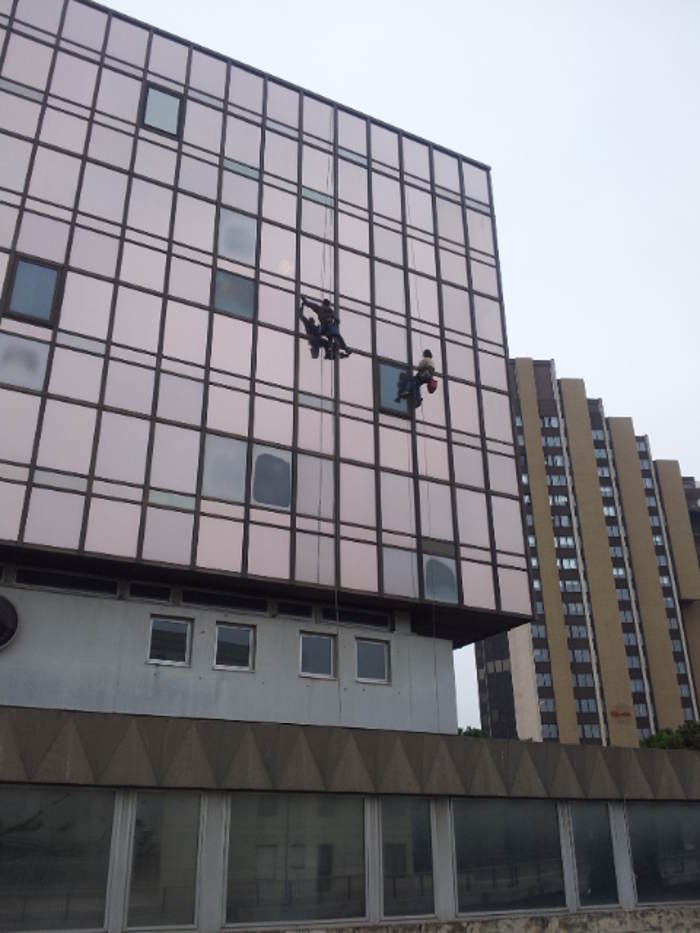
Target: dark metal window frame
<point>188,623</point>
<point>5,312</point>
<point>334,655</point>
<point>252,640</point>
<point>153,86</point>
<point>387,659</point>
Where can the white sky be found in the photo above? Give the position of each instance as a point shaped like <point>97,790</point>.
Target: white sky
<point>589,114</point>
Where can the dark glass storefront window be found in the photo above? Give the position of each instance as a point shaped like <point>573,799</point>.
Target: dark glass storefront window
<point>665,839</point>
<point>164,864</point>
<point>234,294</point>
<point>595,866</point>
<point>407,856</point>
<point>508,855</point>
<point>295,857</point>
<point>33,291</point>
<point>162,111</point>
<point>54,857</point>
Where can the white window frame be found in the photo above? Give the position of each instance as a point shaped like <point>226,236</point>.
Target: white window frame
<point>334,652</point>
<point>387,661</point>
<point>188,646</point>
<point>252,641</point>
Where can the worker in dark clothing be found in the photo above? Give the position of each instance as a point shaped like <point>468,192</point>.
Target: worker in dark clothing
<point>409,386</point>
<point>329,326</point>
<point>313,335</point>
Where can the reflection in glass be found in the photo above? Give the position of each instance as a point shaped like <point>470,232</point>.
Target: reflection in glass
<point>315,486</point>
<point>385,145</point>
<point>372,660</point>
<point>508,855</point>
<point>66,436</point>
<point>268,551</point>
<point>164,863</point>
<point>272,477</point>
<point>439,578</point>
<point>224,468</point>
<point>407,856</point>
<point>665,839</point>
<point>400,572</point>
<point>113,527</point>
<point>180,399</point>
<point>234,646</point>
<point>415,158</point>
<point>121,454</point>
<point>389,377</point>
<point>234,294</point>
<point>295,857</point>
<point>282,104</point>
<point>595,866</point>
<point>175,458</point>
<point>22,362</point>
<point>168,536</point>
<point>318,118</point>
<point>33,290</point>
<point>357,495</point>
<point>54,857</point>
<point>219,544</point>
<point>237,235</point>
<point>18,418</point>
<point>54,518</point>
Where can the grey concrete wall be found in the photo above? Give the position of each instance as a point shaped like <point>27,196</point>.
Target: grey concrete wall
<point>81,652</point>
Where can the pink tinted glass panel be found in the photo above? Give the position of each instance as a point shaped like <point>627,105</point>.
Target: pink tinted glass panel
<point>219,544</point>
<point>315,559</point>
<point>515,593</point>
<point>66,437</point>
<point>168,536</point>
<point>54,518</point>
<point>358,565</point>
<point>18,417</point>
<point>268,551</point>
<point>472,518</point>
<point>477,583</point>
<point>113,528</point>
<point>11,502</point>
<point>175,458</point>
<point>121,454</point>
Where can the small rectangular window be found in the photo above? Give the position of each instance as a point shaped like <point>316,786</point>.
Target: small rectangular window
<point>162,111</point>
<point>33,292</point>
<point>234,646</point>
<point>234,294</point>
<point>317,655</point>
<point>170,641</point>
<point>372,660</point>
<point>392,379</point>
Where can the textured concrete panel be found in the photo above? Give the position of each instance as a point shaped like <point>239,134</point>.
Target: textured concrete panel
<point>45,747</point>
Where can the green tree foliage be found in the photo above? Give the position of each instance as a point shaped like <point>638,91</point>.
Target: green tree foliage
<point>685,736</point>
<point>472,733</point>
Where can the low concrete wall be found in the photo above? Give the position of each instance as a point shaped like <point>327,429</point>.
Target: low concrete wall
<point>647,920</point>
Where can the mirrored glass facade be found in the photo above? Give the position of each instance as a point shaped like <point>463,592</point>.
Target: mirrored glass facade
<point>162,213</point>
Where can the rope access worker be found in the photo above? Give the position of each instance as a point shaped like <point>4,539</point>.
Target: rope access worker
<point>409,386</point>
<point>329,321</point>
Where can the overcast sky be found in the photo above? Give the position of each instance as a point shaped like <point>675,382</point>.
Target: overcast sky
<point>588,113</point>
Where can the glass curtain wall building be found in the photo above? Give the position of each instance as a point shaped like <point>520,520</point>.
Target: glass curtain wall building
<point>162,212</point>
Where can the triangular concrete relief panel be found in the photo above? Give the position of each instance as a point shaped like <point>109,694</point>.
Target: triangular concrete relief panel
<point>189,766</point>
<point>413,745</point>
<point>35,732</point>
<point>266,738</point>
<point>319,738</point>
<point>152,731</point>
<point>11,764</point>
<point>130,764</point>
<point>295,765</point>
<point>349,772</point>
<point>687,770</point>
<point>661,776</point>
<point>172,735</point>
<point>247,768</point>
<point>565,781</point>
<point>440,770</point>
<point>65,762</point>
<point>485,779</point>
<point>220,741</point>
<point>634,784</point>
<point>599,781</point>
<point>396,775</point>
<point>522,777</point>
<point>368,742</point>
<point>100,736</point>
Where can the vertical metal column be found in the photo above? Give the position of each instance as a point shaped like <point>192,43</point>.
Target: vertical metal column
<point>444,875</point>
<point>211,876</point>
<point>120,861</point>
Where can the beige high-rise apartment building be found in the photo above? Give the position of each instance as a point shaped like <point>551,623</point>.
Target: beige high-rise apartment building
<point>613,651</point>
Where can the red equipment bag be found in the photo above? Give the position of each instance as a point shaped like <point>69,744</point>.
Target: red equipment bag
<point>432,385</point>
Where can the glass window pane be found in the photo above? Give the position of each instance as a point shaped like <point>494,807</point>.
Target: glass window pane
<point>237,235</point>
<point>164,865</point>
<point>390,291</point>
<point>246,89</point>
<point>665,839</point>
<point>180,399</point>
<point>103,192</point>
<point>508,855</point>
<point>169,640</point>
<point>33,290</point>
<point>295,857</point>
<point>385,145</point>
<point>242,141</point>
<point>224,468</point>
<point>66,437</point>
<point>175,458</point>
<point>407,856</point>
<point>595,866</point>
<point>318,118</point>
<point>400,572</point>
<point>357,495</point>
<point>113,527</point>
<point>234,294</point>
<point>168,536</point>
<point>54,518</point>
<point>278,250</point>
<point>389,381</point>
<point>415,158</point>
<point>315,486</point>
<point>121,454</point>
<point>317,655</point>
<point>18,417</point>
<point>372,660</point>
<point>268,551</point>
<point>439,578</point>
<point>272,477</point>
<point>54,857</point>
<point>22,362</point>
<point>234,646</point>
<point>281,156</point>
<point>282,104</point>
